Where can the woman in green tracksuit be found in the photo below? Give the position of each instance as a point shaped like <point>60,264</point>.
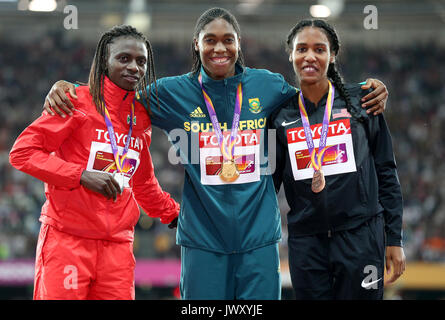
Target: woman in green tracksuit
<point>229,225</point>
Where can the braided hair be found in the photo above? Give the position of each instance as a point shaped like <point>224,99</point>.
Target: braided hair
<point>99,67</point>
<point>333,74</point>
<point>207,17</point>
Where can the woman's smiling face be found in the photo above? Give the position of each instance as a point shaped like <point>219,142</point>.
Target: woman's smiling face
<point>311,55</point>
<point>218,45</point>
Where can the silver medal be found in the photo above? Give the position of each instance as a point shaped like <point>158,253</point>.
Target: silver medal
<point>119,177</point>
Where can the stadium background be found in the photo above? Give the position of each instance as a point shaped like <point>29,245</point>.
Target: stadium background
<point>406,51</point>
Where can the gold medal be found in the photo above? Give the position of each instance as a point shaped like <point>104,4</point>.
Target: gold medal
<point>318,181</point>
<point>229,172</point>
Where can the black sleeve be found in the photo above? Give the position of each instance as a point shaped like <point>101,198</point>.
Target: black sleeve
<point>390,194</point>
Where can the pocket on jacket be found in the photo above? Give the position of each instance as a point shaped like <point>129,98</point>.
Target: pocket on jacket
<point>43,237</point>
<point>376,230</point>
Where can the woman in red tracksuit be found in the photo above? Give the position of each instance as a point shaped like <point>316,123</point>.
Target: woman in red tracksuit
<point>94,183</point>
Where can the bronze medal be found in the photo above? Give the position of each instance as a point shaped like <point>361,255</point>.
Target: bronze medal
<point>229,172</point>
<point>318,181</point>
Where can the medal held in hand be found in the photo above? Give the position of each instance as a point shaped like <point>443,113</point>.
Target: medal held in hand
<point>119,160</point>
<point>318,181</point>
<point>229,172</point>
<point>119,177</point>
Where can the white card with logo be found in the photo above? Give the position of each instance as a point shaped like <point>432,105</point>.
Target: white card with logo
<point>247,157</point>
<point>101,159</point>
<point>338,157</point>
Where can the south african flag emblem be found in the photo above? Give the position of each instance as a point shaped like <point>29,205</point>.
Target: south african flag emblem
<point>255,105</point>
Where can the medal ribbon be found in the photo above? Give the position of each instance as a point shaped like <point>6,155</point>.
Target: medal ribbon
<point>317,159</point>
<point>119,160</point>
<point>227,152</point>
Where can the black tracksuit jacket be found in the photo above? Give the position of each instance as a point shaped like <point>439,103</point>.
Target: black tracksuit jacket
<point>348,199</point>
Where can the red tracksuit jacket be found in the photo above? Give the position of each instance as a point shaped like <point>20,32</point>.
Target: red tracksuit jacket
<point>56,151</point>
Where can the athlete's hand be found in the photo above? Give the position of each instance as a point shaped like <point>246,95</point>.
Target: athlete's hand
<point>100,182</point>
<point>395,263</point>
<point>57,101</point>
<point>174,223</point>
<point>375,100</point>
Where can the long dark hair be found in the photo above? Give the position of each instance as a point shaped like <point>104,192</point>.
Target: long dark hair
<point>334,43</point>
<point>100,64</point>
<point>207,17</point>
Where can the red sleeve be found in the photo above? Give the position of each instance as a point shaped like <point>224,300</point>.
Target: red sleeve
<point>148,193</point>
<point>33,150</point>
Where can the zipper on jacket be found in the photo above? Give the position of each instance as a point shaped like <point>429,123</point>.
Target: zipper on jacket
<point>236,244</point>
<point>110,203</point>
<point>318,116</point>
<point>226,94</point>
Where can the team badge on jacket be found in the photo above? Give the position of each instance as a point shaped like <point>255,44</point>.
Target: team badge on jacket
<point>255,105</point>
<point>134,120</point>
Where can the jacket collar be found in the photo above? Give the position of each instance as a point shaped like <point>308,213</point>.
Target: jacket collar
<point>311,107</point>
<point>114,95</point>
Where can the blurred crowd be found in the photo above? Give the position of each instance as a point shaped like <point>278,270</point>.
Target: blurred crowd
<point>415,114</point>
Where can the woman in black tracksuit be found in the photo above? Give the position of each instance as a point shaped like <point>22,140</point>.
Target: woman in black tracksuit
<point>343,219</point>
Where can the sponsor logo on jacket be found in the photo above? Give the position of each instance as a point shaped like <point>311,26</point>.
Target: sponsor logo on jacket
<point>197,113</point>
